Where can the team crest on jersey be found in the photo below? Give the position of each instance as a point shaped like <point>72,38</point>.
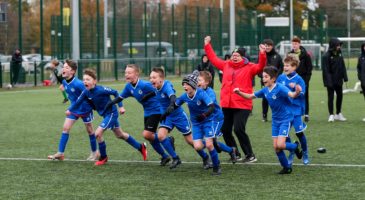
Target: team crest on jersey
<point>102,124</point>
<point>163,96</point>
<point>283,82</point>
<point>273,96</point>
<point>140,92</point>
<point>198,103</point>
<point>72,89</point>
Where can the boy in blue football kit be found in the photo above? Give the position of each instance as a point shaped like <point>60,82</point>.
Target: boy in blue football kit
<point>290,79</point>
<point>172,117</point>
<point>203,81</point>
<point>201,109</point>
<point>145,94</point>
<point>99,97</point>
<point>279,98</point>
<point>74,87</point>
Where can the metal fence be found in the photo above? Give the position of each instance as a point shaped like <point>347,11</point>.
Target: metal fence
<point>145,32</point>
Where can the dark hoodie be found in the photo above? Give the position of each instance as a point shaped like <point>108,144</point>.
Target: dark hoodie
<point>17,57</point>
<point>274,59</point>
<point>361,66</point>
<point>333,65</point>
<point>207,66</point>
<point>305,66</point>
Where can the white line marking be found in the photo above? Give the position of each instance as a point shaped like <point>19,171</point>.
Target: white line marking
<point>184,162</point>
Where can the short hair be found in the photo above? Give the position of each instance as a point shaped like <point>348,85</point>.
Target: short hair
<point>134,66</point>
<point>296,39</point>
<point>271,71</point>
<point>227,56</point>
<point>292,59</point>
<point>206,76</point>
<point>90,72</point>
<point>72,64</point>
<point>160,71</point>
<point>268,42</point>
<point>55,62</point>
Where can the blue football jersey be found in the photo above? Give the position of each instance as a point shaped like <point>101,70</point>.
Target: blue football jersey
<point>164,94</point>
<point>99,96</point>
<point>198,104</point>
<point>218,113</point>
<point>298,102</point>
<point>279,101</point>
<point>74,89</point>
<point>151,106</point>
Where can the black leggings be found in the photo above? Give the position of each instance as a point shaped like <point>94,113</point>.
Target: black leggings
<point>236,118</point>
<point>306,99</point>
<point>330,93</point>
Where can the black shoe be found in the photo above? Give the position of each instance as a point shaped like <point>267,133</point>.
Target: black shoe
<point>207,164</point>
<point>233,155</point>
<point>238,155</point>
<point>175,162</point>
<point>250,159</point>
<point>264,117</point>
<point>285,171</point>
<point>217,171</point>
<point>298,151</point>
<point>306,118</point>
<point>65,101</point>
<point>172,139</point>
<point>164,161</point>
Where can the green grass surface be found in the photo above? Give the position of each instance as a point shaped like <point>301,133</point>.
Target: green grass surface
<point>31,122</point>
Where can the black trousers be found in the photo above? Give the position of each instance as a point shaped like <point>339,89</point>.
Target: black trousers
<point>306,112</point>
<point>236,118</point>
<point>331,93</point>
<point>363,89</point>
<point>15,73</point>
<point>265,107</point>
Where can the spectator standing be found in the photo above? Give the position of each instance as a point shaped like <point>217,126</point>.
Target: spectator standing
<point>361,70</point>
<point>304,70</point>
<point>273,59</point>
<point>205,65</point>
<point>56,77</point>
<point>16,64</point>
<point>238,72</point>
<point>334,74</point>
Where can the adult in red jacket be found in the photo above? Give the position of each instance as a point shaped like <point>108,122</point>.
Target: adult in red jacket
<point>237,72</point>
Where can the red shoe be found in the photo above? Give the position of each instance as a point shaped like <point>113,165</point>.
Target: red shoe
<point>144,151</point>
<point>101,161</point>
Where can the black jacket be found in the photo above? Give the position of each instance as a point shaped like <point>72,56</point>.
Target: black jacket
<point>207,67</point>
<point>305,66</point>
<point>361,66</point>
<point>274,59</point>
<point>16,58</point>
<point>333,65</point>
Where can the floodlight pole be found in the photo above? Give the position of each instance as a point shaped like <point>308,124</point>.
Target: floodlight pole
<point>75,30</point>
<point>291,20</point>
<point>232,30</point>
<point>105,28</point>
<point>348,31</point>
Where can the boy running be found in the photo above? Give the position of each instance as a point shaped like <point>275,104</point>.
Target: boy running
<point>277,96</point>
<point>172,117</point>
<point>145,94</point>
<point>290,79</point>
<point>74,87</point>
<point>100,96</point>
<point>203,82</point>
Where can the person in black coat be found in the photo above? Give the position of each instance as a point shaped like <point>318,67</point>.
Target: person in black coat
<point>273,59</point>
<point>205,65</point>
<point>334,74</point>
<point>16,64</point>
<point>304,70</point>
<point>361,70</point>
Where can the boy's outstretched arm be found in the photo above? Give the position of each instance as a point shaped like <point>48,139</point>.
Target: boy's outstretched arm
<point>242,94</point>
<point>296,93</point>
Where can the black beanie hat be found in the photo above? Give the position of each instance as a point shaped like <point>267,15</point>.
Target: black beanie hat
<point>241,51</point>
<point>192,79</point>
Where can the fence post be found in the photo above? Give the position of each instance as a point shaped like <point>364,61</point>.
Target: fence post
<point>198,30</point>
<point>115,40</point>
<point>173,36</point>
<point>185,32</point>
<point>35,73</point>
<point>20,32</point>
<point>159,30</point>
<point>1,76</point>
<point>145,33</point>
<point>130,20</point>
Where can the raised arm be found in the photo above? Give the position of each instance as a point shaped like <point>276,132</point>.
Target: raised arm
<point>257,68</point>
<point>213,58</point>
<point>296,93</point>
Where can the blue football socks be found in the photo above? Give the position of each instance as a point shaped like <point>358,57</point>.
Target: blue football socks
<point>102,149</point>
<point>224,147</point>
<point>92,142</point>
<point>166,143</point>
<point>202,153</point>
<point>290,146</point>
<point>130,140</point>
<point>282,159</point>
<point>214,157</point>
<point>303,141</point>
<point>157,147</point>
<point>63,142</point>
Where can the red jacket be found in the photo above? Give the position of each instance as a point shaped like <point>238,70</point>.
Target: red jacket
<point>236,75</point>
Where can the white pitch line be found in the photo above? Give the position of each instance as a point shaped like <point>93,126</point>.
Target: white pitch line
<point>188,162</point>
